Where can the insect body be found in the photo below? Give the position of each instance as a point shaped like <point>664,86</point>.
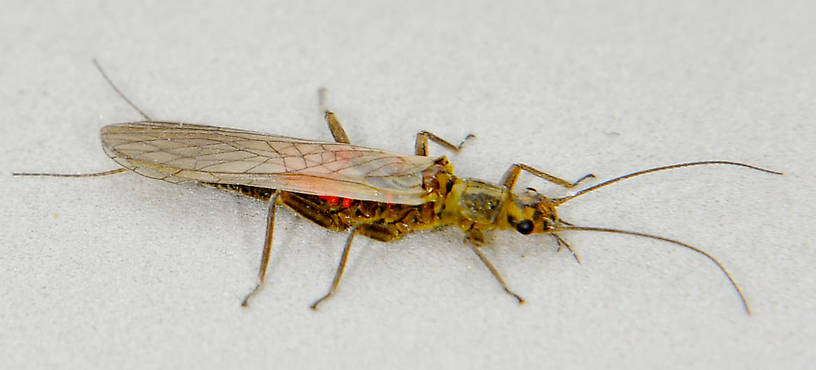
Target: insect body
<point>344,187</point>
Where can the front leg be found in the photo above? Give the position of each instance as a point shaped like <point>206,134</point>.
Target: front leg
<point>511,176</point>
<point>475,238</point>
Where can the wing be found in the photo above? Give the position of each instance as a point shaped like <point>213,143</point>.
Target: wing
<point>177,153</point>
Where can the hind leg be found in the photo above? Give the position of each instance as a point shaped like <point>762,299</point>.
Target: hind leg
<point>270,225</point>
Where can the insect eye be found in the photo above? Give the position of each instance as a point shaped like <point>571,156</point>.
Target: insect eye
<point>525,227</point>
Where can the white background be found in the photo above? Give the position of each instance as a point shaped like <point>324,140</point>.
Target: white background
<point>128,272</point>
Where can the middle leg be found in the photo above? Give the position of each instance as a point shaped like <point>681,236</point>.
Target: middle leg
<point>340,268</point>
<point>421,143</point>
<point>331,119</point>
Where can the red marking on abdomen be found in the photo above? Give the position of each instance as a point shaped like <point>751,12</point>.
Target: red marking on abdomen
<point>332,200</point>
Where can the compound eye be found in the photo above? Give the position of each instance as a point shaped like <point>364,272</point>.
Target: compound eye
<point>525,227</point>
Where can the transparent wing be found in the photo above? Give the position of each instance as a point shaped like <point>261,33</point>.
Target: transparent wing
<point>177,153</point>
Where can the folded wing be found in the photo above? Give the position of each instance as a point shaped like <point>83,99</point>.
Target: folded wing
<point>177,153</point>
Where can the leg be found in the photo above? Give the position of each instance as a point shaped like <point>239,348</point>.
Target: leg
<point>495,272</point>
<point>512,175</point>
<point>383,233</point>
<point>340,135</point>
<point>270,226</point>
<point>340,268</point>
<point>308,207</point>
<point>334,125</point>
<point>421,143</point>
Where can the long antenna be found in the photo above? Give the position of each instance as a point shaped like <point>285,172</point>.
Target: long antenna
<point>684,245</point>
<point>563,200</point>
<point>118,92</point>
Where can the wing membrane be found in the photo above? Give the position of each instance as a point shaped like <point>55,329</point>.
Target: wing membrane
<point>177,153</point>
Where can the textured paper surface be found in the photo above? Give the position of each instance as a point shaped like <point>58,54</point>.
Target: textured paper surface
<point>128,272</point>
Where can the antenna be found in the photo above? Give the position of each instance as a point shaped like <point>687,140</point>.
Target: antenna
<point>563,200</point>
<point>675,242</point>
